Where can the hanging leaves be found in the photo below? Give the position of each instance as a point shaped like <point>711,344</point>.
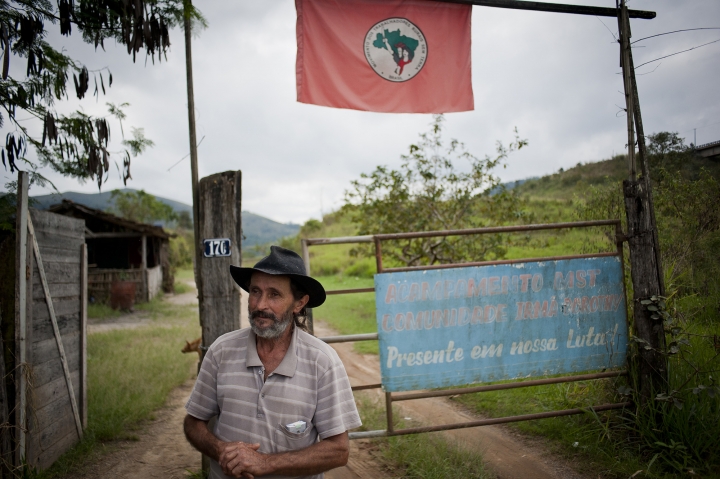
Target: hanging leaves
<point>30,28</point>
<point>103,131</point>
<point>126,168</point>
<point>49,129</point>
<point>15,148</point>
<point>81,85</point>
<point>65,10</point>
<point>5,36</point>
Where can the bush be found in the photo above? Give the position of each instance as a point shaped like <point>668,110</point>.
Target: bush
<point>362,268</point>
<point>181,250</point>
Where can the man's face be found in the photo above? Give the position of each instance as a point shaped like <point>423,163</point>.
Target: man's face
<point>271,305</point>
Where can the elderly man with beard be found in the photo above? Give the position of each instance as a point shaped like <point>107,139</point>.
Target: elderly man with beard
<point>281,396</point>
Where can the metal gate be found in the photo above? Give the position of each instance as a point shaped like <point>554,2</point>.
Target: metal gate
<point>395,397</point>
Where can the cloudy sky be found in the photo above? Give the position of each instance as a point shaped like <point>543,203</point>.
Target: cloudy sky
<point>553,76</point>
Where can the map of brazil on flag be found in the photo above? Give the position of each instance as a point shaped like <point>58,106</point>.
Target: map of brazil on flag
<point>396,56</point>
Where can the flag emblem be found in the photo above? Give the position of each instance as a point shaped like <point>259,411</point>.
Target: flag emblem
<point>396,49</point>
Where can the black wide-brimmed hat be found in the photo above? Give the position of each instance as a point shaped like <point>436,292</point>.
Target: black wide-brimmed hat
<point>283,262</point>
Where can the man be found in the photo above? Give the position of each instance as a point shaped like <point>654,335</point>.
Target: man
<point>281,396</point>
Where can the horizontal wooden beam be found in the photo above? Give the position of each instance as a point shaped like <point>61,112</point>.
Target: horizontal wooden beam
<point>114,234</point>
<point>555,7</point>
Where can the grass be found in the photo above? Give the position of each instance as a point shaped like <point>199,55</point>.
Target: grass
<point>184,274</point>
<point>350,313</point>
<point>130,374</point>
<point>180,288</point>
<point>426,456</point>
<point>102,311</point>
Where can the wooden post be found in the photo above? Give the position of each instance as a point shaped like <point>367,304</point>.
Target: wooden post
<point>193,150</point>
<point>5,443</point>
<point>645,267</point>
<point>220,211</point>
<point>143,267</point>
<point>83,333</point>
<point>21,236</point>
<point>219,206</point>
<point>645,165</point>
<point>306,260</point>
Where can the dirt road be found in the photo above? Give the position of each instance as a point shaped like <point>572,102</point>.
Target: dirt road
<point>162,451</point>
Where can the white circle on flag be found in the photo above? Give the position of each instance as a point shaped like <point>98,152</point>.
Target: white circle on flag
<point>396,49</point>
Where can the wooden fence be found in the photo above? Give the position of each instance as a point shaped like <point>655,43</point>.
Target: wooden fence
<point>51,422</point>
<point>43,398</point>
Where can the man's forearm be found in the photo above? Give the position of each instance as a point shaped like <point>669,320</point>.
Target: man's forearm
<point>198,434</point>
<point>320,457</point>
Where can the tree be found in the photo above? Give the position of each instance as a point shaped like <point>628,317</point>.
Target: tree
<point>74,145</point>
<point>141,207</point>
<point>685,192</point>
<point>430,193</point>
<point>184,220</point>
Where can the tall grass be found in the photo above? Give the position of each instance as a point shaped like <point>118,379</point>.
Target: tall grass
<point>130,374</point>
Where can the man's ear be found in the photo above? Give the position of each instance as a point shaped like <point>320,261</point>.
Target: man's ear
<point>300,304</point>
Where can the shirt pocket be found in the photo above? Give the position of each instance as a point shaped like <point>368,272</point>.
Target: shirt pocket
<point>290,441</point>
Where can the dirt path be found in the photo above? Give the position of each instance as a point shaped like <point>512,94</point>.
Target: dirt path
<point>507,454</point>
<point>162,451</point>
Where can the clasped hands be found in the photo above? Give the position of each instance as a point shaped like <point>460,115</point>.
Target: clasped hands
<point>241,459</point>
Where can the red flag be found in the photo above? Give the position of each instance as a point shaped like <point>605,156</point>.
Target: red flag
<point>399,56</point>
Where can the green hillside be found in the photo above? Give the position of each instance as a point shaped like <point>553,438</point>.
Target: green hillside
<point>576,181</point>
<point>256,229</point>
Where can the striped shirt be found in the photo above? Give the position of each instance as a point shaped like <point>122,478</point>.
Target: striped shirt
<point>310,385</point>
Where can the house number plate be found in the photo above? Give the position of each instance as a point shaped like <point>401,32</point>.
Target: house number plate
<point>216,247</point>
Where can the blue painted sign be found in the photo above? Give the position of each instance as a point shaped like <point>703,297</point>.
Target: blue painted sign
<point>216,247</point>
<point>465,325</point>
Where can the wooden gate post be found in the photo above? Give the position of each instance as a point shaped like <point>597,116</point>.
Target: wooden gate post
<point>220,207</point>
<point>645,266</point>
<point>21,290</point>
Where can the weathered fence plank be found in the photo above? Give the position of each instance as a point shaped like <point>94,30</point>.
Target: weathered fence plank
<point>50,224</point>
<point>62,237</point>
<point>68,323</point>
<point>51,369</point>
<point>47,457</point>
<point>46,350</point>
<point>57,290</point>
<point>54,253</point>
<point>54,390</point>
<point>63,272</point>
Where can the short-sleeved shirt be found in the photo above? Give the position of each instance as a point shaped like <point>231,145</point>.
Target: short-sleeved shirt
<point>310,385</point>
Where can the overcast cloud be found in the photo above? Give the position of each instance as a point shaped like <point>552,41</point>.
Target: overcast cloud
<point>554,76</point>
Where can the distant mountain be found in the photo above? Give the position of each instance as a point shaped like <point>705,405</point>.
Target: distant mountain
<point>256,229</point>
<point>99,201</point>
<point>260,230</point>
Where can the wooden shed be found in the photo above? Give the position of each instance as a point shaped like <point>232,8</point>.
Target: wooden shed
<point>122,250</point>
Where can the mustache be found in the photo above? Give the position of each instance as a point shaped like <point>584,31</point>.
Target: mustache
<point>263,314</point>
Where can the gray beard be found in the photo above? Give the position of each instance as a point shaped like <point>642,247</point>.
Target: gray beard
<point>276,329</point>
